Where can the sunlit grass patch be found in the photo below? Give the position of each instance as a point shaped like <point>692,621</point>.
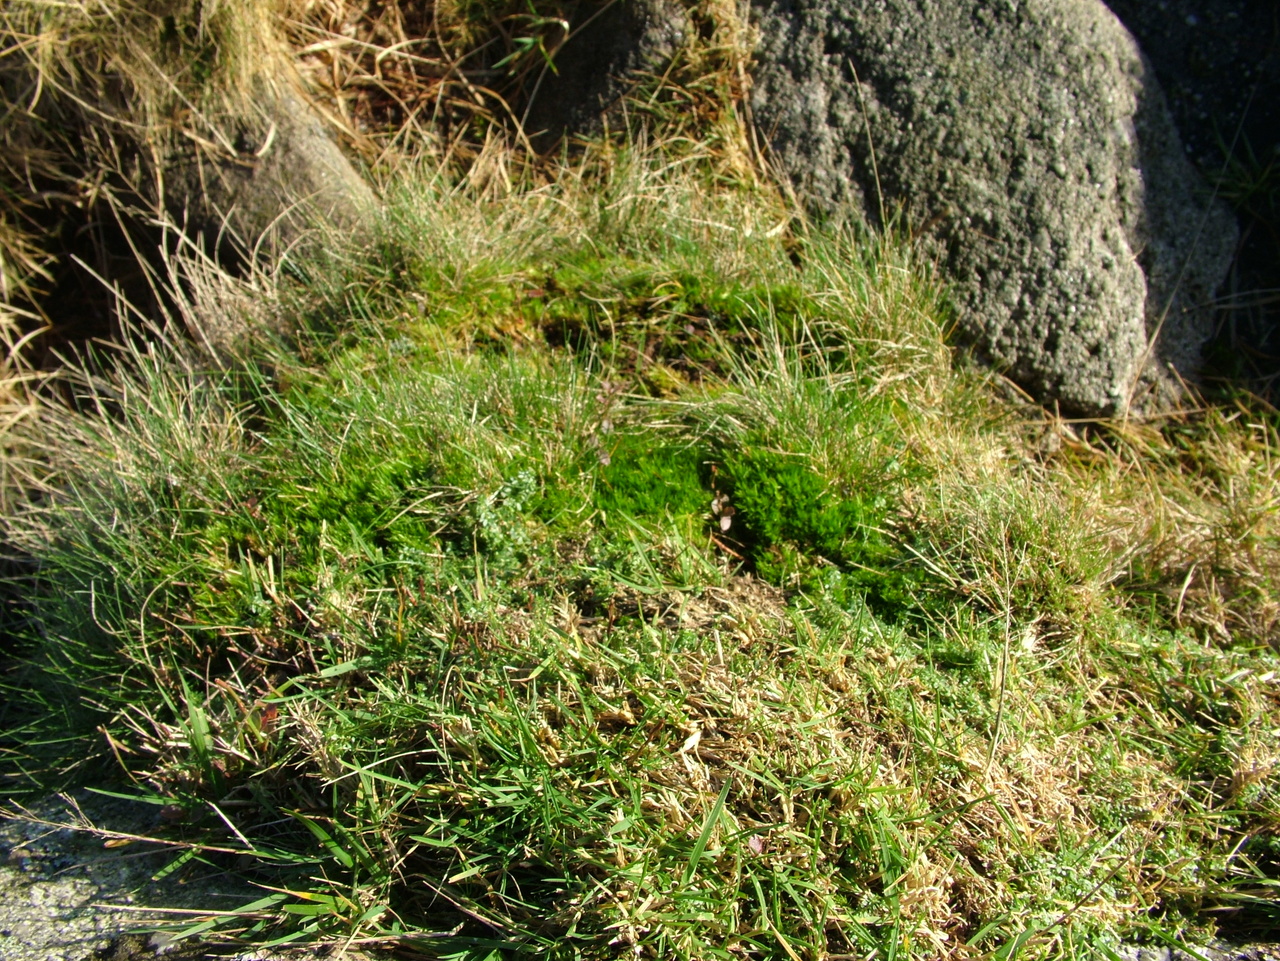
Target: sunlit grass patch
<point>561,582</point>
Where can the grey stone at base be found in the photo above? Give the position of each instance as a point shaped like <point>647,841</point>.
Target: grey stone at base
<point>58,888</point>
<point>268,176</point>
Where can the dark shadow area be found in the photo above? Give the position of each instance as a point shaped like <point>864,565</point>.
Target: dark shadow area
<point>610,47</point>
<point>101,265</point>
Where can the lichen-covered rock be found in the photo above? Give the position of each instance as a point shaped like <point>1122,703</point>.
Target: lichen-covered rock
<point>1028,144</point>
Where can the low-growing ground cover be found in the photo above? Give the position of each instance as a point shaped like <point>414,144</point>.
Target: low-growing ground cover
<point>617,565</point>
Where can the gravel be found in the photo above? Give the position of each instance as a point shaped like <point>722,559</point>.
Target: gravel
<point>66,895</point>
<point>1211,952</point>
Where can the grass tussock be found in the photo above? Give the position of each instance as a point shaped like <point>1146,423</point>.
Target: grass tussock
<point>110,104</point>
<point>92,93</point>
<point>615,564</point>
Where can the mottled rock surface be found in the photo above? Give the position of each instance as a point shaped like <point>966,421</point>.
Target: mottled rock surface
<point>1028,143</point>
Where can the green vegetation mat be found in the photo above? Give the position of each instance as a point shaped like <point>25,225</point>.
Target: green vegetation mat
<point>618,567</point>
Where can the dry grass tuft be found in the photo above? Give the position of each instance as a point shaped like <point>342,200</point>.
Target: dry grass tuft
<point>1193,506</point>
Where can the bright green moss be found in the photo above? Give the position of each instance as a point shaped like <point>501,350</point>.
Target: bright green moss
<point>800,531</point>
<point>644,478</point>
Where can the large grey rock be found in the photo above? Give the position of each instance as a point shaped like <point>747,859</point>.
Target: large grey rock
<point>1029,145</point>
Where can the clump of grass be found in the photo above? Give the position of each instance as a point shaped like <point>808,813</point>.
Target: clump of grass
<point>86,85</point>
<point>1208,527</point>
<point>101,97</point>
<point>108,105</point>
<point>439,605</point>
